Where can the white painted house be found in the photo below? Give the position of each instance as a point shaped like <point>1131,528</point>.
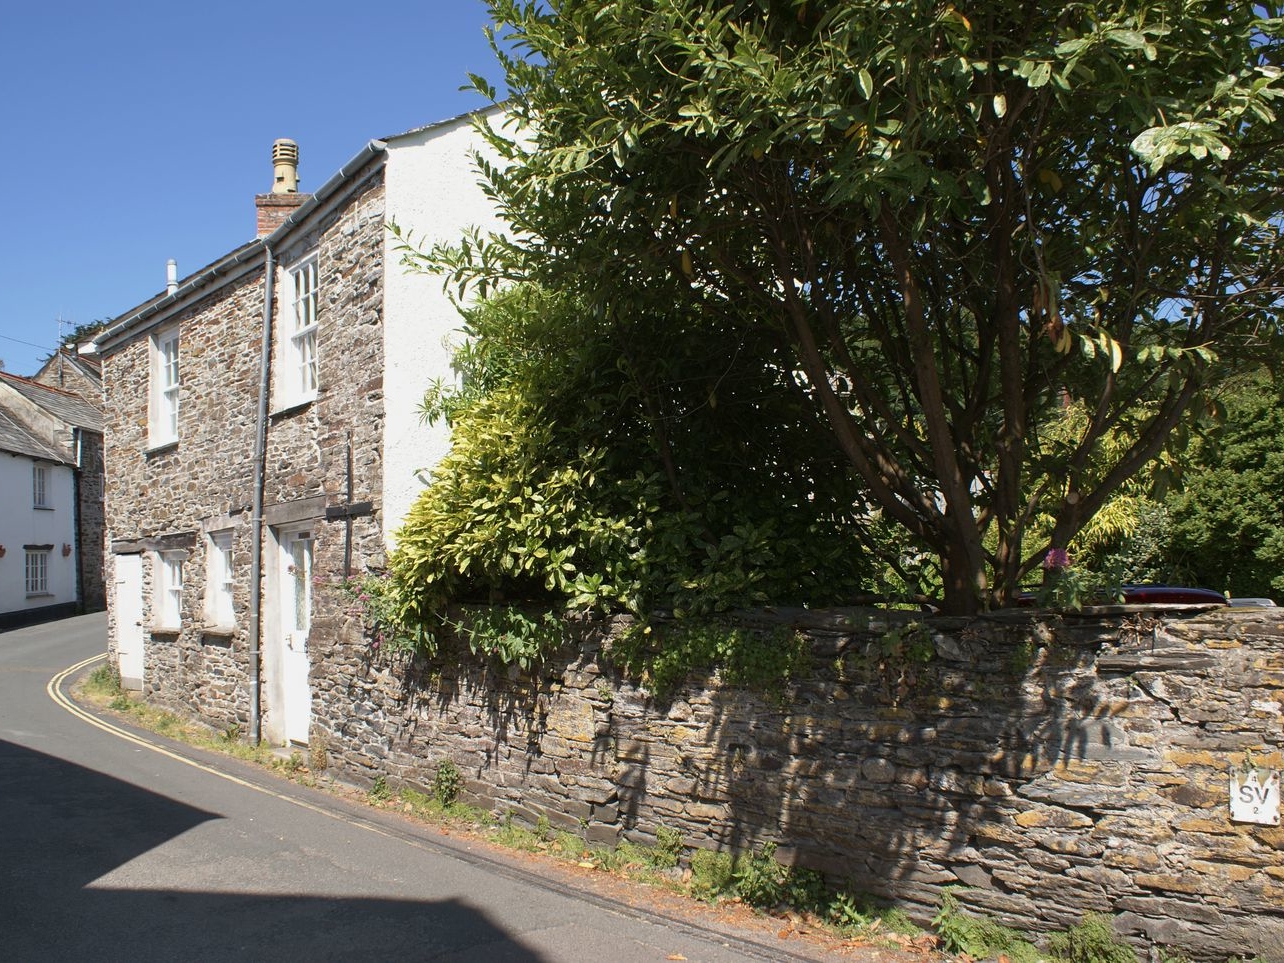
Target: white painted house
<point>50,501</point>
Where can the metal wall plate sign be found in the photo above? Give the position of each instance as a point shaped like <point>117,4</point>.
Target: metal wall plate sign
<point>1255,796</point>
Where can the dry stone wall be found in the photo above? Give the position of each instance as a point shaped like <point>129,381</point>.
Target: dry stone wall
<point>1052,766</point>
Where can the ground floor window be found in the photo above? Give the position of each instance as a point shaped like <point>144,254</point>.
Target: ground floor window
<point>219,584</point>
<point>38,572</point>
<point>171,589</point>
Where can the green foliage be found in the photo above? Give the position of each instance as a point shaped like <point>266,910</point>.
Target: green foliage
<point>103,682</point>
<point>447,783</point>
<point>1092,941</point>
<point>977,937</point>
<point>595,475</point>
<point>928,228</point>
<point>1070,587</point>
<point>1141,554</point>
<point>712,874</point>
<point>665,656</point>
<point>293,765</point>
<point>510,635</point>
<point>380,791</point>
<point>570,844</point>
<point>906,644</point>
<point>1227,527</point>
<point>853,913</point>
<point>668,847</point>
<point>760,880</point>
<point>374,599</point>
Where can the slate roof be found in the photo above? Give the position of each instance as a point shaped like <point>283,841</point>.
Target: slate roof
<point>16,440</point>
<point>70,408</point>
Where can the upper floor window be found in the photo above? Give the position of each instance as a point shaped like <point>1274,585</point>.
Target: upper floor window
<point>219,584</point>
<point>170,590</point>
<point>37,573</point>
<point>40,486</point>
<point>163,428</point>
<point>300,367</point>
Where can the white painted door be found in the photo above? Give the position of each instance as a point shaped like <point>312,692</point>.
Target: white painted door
<point>129,620</point>
<point>296,610</point>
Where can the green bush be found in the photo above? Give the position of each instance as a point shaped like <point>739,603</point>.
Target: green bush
<point>104,681</point>
<point>665,656</point>
<point>712,874</point>
<point>447,783</point>
<point>380,791</point>
<point>1092,941</point>
<point>977,937</point>
<point>569,488</point>
<point>759,879</point>
<point>668,847</point>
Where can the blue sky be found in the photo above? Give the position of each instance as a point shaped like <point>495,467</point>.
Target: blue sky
<point>133,133</point>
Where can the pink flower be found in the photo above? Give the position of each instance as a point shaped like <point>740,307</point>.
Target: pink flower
<point>1057,558</point>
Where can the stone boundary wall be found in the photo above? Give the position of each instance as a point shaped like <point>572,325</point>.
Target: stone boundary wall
<point>1052,765</point>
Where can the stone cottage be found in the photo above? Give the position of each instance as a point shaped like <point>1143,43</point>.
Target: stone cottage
<point>51,474</point>
<point>263,433</point>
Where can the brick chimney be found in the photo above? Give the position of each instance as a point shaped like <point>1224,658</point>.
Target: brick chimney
<point>274,208</point>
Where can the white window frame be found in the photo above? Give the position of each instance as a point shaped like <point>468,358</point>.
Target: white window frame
<point>300,372</point>
<point>37,572</point>
<point>220,609</point>
<point>166,383</point>
<point>169,589</point>
<point>39,485</point>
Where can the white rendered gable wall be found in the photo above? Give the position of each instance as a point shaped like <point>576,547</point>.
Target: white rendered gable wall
<point>431,190</point>
<point>21,524</point>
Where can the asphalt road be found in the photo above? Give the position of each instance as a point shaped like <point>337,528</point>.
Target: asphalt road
<point>111,850</point>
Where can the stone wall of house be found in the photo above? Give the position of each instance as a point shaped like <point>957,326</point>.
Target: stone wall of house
<point>307,453</point>
<point>329,451</point>
<point>60,371</point>
<point>166,498</point>
<point>1053,766</point>
<point>90,523</point>
<point>172,497</point>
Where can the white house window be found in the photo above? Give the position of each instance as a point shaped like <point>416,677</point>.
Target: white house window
<point>40,486</point>
<point>219,609</point>
<point>299,569</point>
<point>301,364</point>
<point>165,386</point>
<point>170,589</point>
<point>37,573</point>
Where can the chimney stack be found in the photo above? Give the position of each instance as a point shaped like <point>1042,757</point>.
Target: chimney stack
<point>171,276</point>
<point>284,200</point>
<point>285,167</point>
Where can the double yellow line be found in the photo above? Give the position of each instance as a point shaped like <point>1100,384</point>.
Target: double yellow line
<point>55,690</point>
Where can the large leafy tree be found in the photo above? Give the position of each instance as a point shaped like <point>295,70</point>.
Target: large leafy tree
<point>954,220</point>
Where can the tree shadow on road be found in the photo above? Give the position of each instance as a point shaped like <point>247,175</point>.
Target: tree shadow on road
<point>68,827</point>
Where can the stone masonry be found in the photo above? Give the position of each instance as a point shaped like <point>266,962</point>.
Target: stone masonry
<point>158,498</point>
<point>167,498</point>
<point>1052,766</point>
